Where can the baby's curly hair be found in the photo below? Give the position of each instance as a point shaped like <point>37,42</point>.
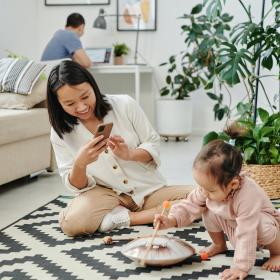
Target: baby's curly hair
<point>220,160</point>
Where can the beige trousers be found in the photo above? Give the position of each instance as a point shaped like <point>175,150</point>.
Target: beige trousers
<point>84,214</point>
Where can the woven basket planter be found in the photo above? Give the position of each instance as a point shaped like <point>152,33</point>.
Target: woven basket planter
<point>267,176</point>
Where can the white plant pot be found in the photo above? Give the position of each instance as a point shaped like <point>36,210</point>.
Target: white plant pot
<point>174,117</point>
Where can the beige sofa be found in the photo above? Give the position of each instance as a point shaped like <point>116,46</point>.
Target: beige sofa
<point>24,143</point>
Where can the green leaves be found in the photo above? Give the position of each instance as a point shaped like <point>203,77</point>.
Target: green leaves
<point>195,65</point>
<point>248,153</point>
<point>120,49</point>
<point>168,80</point>
<point>212,95</point>
<point>221,54</point>
<point>261,143</point>
<point>196,9</point>
<point>164,91</point>
<point>267,61</point>
<point>234,64</point>
<point>244,110</point>
<point>263,115</point>
<point>213,8</point>
<point>212,135</point>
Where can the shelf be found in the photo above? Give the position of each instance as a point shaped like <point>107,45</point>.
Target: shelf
<point>119,69</point>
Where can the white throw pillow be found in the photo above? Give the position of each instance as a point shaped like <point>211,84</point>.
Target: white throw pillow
<point>19,75</point>
<point>19,101</point>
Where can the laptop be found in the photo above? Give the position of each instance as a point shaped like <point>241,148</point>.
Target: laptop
<point>99,55</point>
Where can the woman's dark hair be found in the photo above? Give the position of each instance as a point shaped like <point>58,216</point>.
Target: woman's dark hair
<point>75,20</point>
<point>221,161</point>
<point>71,73</point>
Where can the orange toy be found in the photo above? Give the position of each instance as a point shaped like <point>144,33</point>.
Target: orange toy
<point>166,204</point>
<point>204,256</point>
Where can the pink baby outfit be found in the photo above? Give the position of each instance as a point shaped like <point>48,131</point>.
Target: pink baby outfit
<point>248,218</point>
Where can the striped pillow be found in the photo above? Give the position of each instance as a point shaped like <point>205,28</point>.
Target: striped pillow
<point>19,75</point>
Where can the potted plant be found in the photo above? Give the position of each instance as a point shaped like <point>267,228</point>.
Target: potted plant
<point>190,69</point>
<point>219,56</point>
<point>260,145</point>
<point>174,115</point>
<point>250,47</point>
<point>238,55</point>
<point>119,51</point>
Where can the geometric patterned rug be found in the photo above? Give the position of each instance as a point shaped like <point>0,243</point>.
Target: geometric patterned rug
<point>35,248</point>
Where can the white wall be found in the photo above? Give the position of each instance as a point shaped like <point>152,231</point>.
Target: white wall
<point>27,25</point>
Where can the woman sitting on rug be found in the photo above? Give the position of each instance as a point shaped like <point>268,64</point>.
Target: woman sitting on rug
<point>116,181</point>
<point>231,204</point>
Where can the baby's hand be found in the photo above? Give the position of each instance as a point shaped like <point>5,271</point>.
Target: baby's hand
<point>233,273</point>
<point>164,222</point>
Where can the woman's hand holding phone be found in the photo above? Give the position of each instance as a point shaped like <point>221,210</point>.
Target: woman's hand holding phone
<point>91,151</point>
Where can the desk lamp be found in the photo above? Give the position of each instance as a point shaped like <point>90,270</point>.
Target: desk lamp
<point>100,23</point>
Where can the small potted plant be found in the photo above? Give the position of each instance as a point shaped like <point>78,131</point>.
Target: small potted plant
<point>119,51</point>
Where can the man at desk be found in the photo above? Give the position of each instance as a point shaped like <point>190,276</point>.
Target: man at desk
<point>66,43</point>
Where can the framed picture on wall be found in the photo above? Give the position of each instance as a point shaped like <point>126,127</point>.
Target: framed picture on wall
<point>76,2</point>
<point>136,14</point>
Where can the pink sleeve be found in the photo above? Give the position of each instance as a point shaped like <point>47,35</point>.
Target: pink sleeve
<point>248,207</point>
<point>189,209</point>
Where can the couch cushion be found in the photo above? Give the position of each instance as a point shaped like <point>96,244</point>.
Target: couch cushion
<point>16,125</point>
<point>19,75</point>
<point>18,101</point>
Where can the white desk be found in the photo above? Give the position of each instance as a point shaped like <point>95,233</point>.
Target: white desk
<point>135,70</point>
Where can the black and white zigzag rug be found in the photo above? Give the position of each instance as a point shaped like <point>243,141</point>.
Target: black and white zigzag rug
<point>35,248</point>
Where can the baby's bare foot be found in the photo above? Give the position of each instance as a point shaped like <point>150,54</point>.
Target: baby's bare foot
<point>273,264</point>
<point>214,249</point>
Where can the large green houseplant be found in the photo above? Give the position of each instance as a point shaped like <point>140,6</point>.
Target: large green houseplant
<point>192,67</point>
<point>251,43</point>
<point>253,46</point>
<point>219,55</point>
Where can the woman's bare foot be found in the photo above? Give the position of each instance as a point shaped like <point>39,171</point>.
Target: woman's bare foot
<point>214,249</point>
<point>273,264</point>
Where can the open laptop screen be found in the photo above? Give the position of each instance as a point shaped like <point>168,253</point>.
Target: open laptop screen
<point>99,55</point>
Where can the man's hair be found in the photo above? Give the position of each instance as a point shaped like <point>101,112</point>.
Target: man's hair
<point>220,160</point>
<point>71,73</point>
<point>75,20</point>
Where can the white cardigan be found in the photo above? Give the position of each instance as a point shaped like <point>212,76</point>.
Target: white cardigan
<point>133,178</point>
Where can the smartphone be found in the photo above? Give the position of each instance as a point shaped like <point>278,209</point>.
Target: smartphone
<point>104,129</point>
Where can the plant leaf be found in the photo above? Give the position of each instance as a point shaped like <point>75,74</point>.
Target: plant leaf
<point>212,95</point>
<point>267,62</point>
<point>196,9</point>
<point>273,152</point>
<point>212,135</point>
<point>168,80</point>
<point>265,131</point>
<point>263,114</point>
<point>248,153</point>
<point>164,91</point>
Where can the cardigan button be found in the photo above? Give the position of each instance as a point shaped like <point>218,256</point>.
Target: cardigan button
<point>106,151</point>
<point>115,166</point>
<point>125,181</point>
